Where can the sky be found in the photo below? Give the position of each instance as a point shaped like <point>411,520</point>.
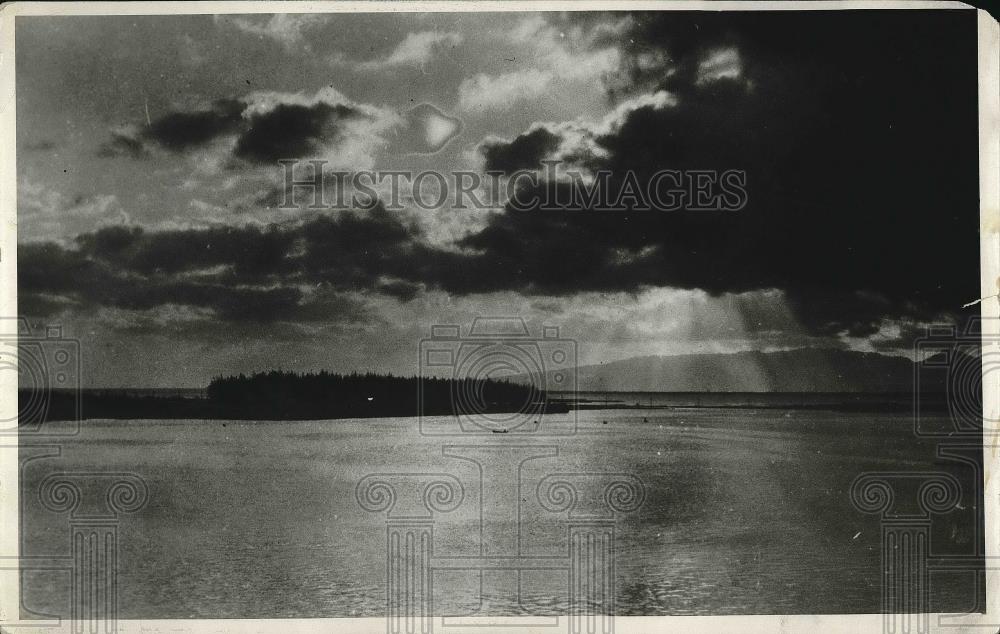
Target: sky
<point>149,224</point>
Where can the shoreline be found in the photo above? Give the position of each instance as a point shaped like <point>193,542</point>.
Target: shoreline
<point>90,407</point>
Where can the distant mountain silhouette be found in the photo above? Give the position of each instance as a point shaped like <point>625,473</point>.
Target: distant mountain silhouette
<point>801,370</point>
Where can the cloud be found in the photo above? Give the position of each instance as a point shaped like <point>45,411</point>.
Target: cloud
<point>558,56</point>
<point>286,29</point>
<point>499,92</point>
<point>820,217</point>
<point>571,52</point>
<point>55,281</point>
<point>723,63</point>
<point>524,152</point>
<point>572,144</point>
<point>291,272</point>
<point>325,125</point>
<point>675,54</point>
<point>415,50</point>
<point>831,162</point>
<point>176,131</point>
<point>291,131</point>
<point>125,141</point>
<point>179,131</point>
<point>246,251</point>
<point>859,210</point>
<point>45,213</point>
<point>901,336</point>
<point>261,128</point>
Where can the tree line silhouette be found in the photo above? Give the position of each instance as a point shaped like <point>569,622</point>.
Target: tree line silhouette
<point>330,395</point>
<point>280,395</point>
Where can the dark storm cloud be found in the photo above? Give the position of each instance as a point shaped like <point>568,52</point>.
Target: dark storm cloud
<point>240,274</point>
<point>290,131</point>
<point>123,143</point>
<point>860,146</point>
<point>523,152</point>
<point>284,130</point>
<point>399,289</point>
<point>178,131</point>
<point>53,278</point>
<point>250,251</point>
<point>857,132</point>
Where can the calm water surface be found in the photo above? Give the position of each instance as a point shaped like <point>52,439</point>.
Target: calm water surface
<point>745,511</point>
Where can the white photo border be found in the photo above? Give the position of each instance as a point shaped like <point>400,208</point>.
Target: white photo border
<point>989,139</point>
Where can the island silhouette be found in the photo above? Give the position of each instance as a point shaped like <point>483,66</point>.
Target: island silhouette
<point>281,395</point>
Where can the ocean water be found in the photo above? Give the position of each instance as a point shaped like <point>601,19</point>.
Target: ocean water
<point>742,511</point>
<point>899,401</point>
